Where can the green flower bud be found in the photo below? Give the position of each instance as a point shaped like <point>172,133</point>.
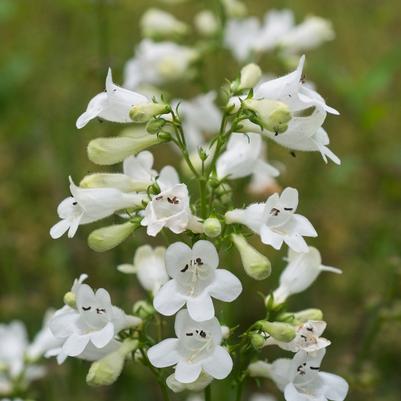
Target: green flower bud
<point>70,299</point>
<point>257,340</point>
<point>234,8</point>
<point>250,76</point>
<point>255,264</point>
<point>155,125</point>
<point>308,314</point>
<point>106,238</point>
<point>212,227</point>
<point>106,371</point>
<point>112,150</point>
<point>271,114</point>
<point>143,112</point>
<point>280,331</point>
<point>120,181</point>
<point>143,309</point>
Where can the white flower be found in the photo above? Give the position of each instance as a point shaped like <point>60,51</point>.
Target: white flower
<point>276,221</point>
<point>206,23</point>
<point>87,205</point>
<point>88,332</point>
<point>159,23</point>
<point>262,397</point>
<point>198,385</point>
<point>156,63</point>
<point>149,267</point>
<point>307,338</point>
<point>196,348</point>
<point>170,208</point>
<point>301,271</point>
<point>139,167</point>
<point>243,157</point>
<point>112,105</point>
<point>195,279</point>
<point>300,378</point>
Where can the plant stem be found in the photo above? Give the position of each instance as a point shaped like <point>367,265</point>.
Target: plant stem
<point>240,387</point>
<point>208,393</point>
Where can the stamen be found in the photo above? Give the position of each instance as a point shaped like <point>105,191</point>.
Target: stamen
<point>315,367</point>
<point>288,209</point>
<point>185,268</point>
<point>189,334</point>
<point>86,308</point>
<point>100,310</point>
<point>274,212</point>
<point>160,197</point>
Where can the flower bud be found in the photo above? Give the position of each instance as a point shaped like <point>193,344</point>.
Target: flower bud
<point>155,125</point>
<point>158,24</point>
<point>70,299</point>
<point>234,8</point>
<point>212,227</point>
<point>112,150</point>
<point>206,23</point>
<point>308,314</point>
<point>106,370</point>
<point>257,340</point>
<point>106,238</point>
<point>225,331</point>
<point>280,331</point>
<point>255,264</point>
<point>233,105</point>
<point>198,385</point>
<point>143,112</point>
<point>271,114</point>
<point>259,369</point>
<point>250,76</point>
<point>119,181</point>
<point>143,309</point>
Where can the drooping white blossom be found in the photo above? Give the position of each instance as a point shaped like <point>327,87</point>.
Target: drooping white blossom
<point>156,23</point>
<point>302,270</point>
<point>158,62</point>
<point>113,104</point>
<point>198,385</point>
<point>149,267</point>
<point>196,348</point>
<point>170,208</point>
<point>195,279</point>
<point>276,221</point>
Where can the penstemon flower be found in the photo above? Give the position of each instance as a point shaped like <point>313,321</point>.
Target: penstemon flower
<point>276,221</point>
<point>196,348</point>
<point>194,280</point>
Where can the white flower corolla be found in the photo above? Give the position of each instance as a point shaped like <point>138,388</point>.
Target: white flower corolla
<point>87,205</point>
<point>156,63</point>
<point>170,208</point>
<point>198,385</point>
<point>156,23</point>
<point>149,267</point>
<point>302,270</point>
<point>300,378</point>
<point>112,105</point>
<point>88,332</point>
<point>195,279</point>
<point>262,397</point>
<point>311,33</point>
<point>196,348</point>
<point>243,157</point>
<point>276,221</point>
<point>307,338</point>
<point>308,111</point>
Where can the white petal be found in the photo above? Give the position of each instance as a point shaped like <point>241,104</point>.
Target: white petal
<point>304,226</point>
<point>94,108</point>
<point>168,178</point>
<point>335,387</point>
<point>289,198</point>
<point>164,354</point>
<point>292,394</point>
<point>269,237</point>
<point>187,372</point>
<point>168,300</point>
<point>59,229</point>
<point>177,256</point>
<point>226,287</point>
<point>75,344</point>
<point>201,308</point>
<point>296,243</point>
<point>207,252</point>
<point>102,337</point>
<point>219,365</point>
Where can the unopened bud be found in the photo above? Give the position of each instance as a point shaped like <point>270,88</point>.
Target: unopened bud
<point>257,340</point>
<point>106,238</point>
<point>158,24</point>
<point>119,181</point>
<point>308,314</point>
<point>271,114</point>
<point>143,309</point>
<point>225,332</point>
<point>70,299</point>
<point>206,23</point>
<point>234,8</point>
<point>106,370</point>
<point>112,150</point>
<point>280,331</point>
<point>143,112</point>
<point>155,125</point>
<point>212,227</point>
<point>259,369</point>
<point>250,76</point>
<point>255,264</point>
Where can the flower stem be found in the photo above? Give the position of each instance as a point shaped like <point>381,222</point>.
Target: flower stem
<point>208,393</point>
<point>240,387</point>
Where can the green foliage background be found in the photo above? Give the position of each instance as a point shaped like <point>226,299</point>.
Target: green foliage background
<point>53,59</point>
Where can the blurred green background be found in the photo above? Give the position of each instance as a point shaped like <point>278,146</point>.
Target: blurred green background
<point>53,59</point>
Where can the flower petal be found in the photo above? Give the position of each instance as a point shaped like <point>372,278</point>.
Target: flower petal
<point>177,256</point>
<point>219,365</point>
<point>207,252</point>
<point>187,372</point>
<point>168,300</point>
<point>335,387</point>
<point>102,337</point>
<point>226,287</point>
<point>201,308</point>
<point>75,344</point>
<point>59,229</point>
<point>165,353</point>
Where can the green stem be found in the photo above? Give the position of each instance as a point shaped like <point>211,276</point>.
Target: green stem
<point>208,393</point>
<point>240,387</point>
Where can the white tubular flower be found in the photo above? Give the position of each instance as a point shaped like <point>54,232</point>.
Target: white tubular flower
<point>155,63</point>
<point>198,385</point>
<point>112,105</point>
<point>89,331</point>
<point>195,279</point>
<point>308,110</point>
<point>196,348</point>
<point>206,23</point>
<point>307,338</point>
<point>171,207</point>
<point>243,158</point>
<point>311,33</point>
<point>156,23</point>
<point>149,267</point>
<point>87,205</point>
<point>300,378</point>
<point>301,271</point>
<point>262,397</point>
<point>276,221</point>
